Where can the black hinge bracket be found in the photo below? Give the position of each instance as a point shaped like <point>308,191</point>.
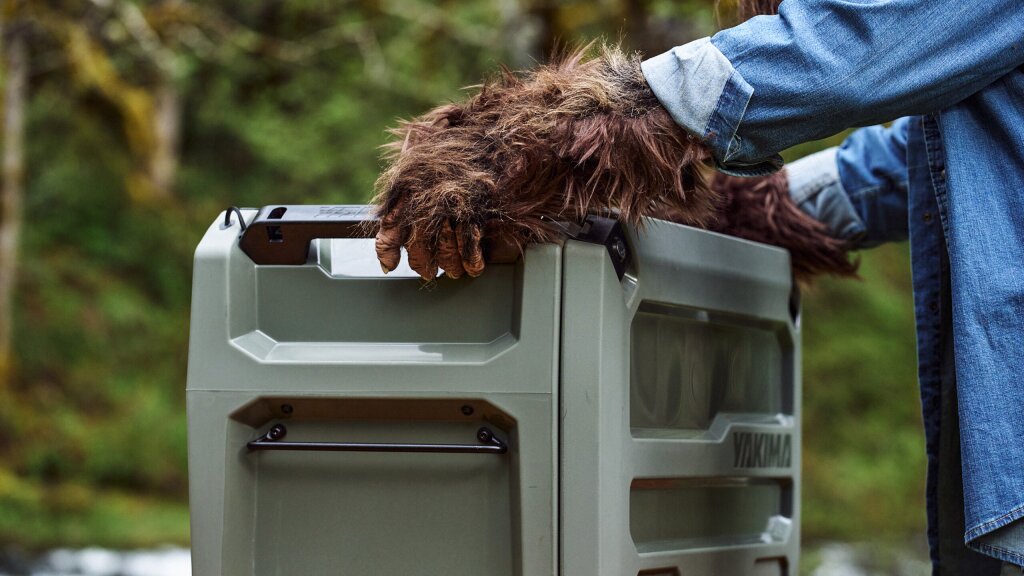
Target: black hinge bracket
<point>609,233</point>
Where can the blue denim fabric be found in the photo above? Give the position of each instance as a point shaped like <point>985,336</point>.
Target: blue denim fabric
<point>815,186</point>
<point>954,172</point>
<point>882,181</point>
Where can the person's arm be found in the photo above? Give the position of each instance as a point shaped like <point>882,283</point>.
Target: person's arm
<point>824,205</point>
<point>859,189</point>
<point>821,66</point>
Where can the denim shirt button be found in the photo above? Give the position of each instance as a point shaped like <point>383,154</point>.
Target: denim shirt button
<point>933,306</point>
<point>927,217</point>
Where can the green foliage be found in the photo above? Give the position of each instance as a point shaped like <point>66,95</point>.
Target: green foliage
<point>74,514</point>
<point>864,457</point>
<point>864,461</point>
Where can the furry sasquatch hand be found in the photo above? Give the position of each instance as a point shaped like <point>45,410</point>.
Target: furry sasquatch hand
<point>577,136</point>
<point>581,135</point>
<point>760,209</point>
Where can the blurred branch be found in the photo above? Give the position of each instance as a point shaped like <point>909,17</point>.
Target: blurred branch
<point>146,38</point>
<point>93,68</point>
<point>150,114</point>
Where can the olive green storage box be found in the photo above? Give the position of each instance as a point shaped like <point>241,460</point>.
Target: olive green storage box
<point>549,417</point>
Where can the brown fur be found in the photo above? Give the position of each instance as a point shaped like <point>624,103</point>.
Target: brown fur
<point>761,209</point>
<point>583,134</point>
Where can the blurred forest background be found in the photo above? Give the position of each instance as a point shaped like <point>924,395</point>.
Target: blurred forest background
<point>129,124</point>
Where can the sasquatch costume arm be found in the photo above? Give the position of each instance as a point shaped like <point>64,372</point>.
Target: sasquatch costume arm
<point>761,209</point>
<point>581,135</point>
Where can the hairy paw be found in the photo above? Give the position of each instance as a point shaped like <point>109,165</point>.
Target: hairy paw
<point>760,209</point>
<point>479,179</point>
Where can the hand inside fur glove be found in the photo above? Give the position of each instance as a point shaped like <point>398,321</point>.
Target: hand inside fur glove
<point>760,209</point>
<point>573,137</point>
<point>584,134</point>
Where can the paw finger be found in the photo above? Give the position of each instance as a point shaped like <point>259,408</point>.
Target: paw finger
<point>469,247</point>
<point>391,234</point>
<point>448,255</point>
<point>389,246</point>
<point>422,257</point>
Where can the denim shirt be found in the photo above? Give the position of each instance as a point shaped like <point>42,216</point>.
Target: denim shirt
<point>949,172</point>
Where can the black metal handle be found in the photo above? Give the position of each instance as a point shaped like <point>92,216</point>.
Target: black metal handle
<point>281,234</point>
<point>489,444</point>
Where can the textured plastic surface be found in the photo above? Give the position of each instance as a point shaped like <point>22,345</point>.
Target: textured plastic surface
<point>703,478</point>
<point>652,421</point>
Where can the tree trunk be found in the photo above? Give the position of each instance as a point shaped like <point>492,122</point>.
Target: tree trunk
<point>15,62</point>
<point>163,164</point>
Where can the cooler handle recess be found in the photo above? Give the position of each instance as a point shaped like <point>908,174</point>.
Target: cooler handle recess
<point>489,444</point>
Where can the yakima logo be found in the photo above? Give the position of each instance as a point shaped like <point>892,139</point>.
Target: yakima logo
<point>754,450</point>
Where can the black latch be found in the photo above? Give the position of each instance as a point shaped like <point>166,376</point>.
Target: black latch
<point>608,232</point>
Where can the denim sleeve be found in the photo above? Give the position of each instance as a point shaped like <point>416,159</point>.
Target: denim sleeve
<point>859,190</point>
<point>821,66</point>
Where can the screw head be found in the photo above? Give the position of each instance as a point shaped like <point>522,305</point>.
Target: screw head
<point>467,410</point>
<point>277,431</point>
<point>619,247</point>
<point>287,408</point>
<point>484,435</point>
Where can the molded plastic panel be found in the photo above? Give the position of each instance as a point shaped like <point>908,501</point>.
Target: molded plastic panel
<point>679,439</point>
<point>370,513</point>
<point>685,514</point>
<point>303,304</point>
<point>687,366</point>
<point>345,357</point>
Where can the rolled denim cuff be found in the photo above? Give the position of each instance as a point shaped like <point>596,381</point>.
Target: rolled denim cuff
<point>815,186</point>
<point>1005,543</point>
<point>705,95</point>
